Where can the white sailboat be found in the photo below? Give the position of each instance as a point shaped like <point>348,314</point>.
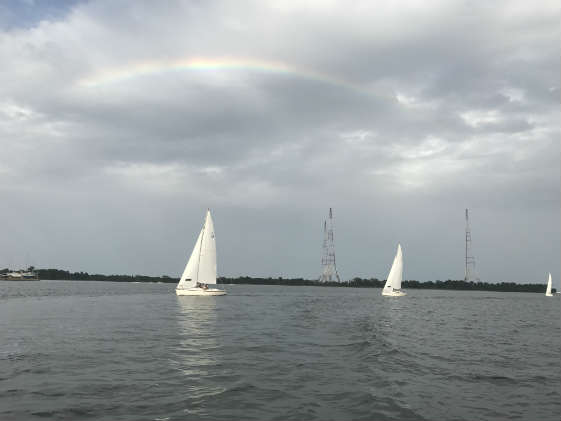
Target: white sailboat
<point>548,288</point>
<point>200,271</point>
<point>393,284</point>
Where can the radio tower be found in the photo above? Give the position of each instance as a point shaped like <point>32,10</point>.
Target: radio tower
<point>470,273</point>
<point>329,270</point>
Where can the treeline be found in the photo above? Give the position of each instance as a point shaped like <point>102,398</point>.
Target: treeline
<point>57,274</point>
<point>246,280</point>
<point>474,286</point>
<point>354,283</point>
<point>64,275</point>
<point>376,283</point>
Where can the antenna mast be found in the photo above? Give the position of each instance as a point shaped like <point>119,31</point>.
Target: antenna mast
<point>470,260</point>
<point>329,269</point>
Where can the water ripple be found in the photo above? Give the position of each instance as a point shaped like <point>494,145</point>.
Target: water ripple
<point>105,351</point>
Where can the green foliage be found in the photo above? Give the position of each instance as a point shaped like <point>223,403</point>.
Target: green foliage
<point>474,286</point>
<point>376,283</point>
<point>57,274</point>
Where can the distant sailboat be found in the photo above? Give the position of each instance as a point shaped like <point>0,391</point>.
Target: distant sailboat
<point>393,284</point>
<point>548,289</point>
<point>201,267</point>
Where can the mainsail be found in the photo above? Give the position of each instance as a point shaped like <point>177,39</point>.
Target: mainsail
<point>207,260</point>
<point>396,273</point>
<point>201,266</point>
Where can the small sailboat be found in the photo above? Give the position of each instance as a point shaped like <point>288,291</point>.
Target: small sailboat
<point>393,284</point>
<point>200,271</point>
<point>548,288</point>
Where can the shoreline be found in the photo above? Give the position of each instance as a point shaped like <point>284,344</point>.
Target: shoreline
<point>460,285</point>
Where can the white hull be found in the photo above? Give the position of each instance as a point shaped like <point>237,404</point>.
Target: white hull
<point>394,294</point>
<point>200,292</point>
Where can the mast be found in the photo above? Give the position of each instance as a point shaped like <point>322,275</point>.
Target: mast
<point>468,239</point>
<point>329,269</point>
<point>469,259</point>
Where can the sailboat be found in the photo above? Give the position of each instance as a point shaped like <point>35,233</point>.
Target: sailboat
<point>393,284</point>
<point>548,288</point>
<point>200,270</point>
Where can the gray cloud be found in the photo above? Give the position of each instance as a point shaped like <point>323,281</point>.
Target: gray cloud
<point>398,117</point>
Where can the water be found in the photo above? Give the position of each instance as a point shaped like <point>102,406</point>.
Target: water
<point>124,351</point>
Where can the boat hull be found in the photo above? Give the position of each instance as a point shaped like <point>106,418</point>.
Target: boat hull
<point>199,292</point>
<point>394,294</point>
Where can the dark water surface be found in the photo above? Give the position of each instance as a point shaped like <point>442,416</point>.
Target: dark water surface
<point>127,351</point>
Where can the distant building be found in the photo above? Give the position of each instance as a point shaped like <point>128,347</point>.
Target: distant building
<point>19,275</point>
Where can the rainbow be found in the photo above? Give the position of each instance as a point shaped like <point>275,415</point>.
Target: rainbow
<point>134,70</point>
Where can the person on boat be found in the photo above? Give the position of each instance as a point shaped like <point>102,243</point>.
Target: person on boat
<point>205,286</point>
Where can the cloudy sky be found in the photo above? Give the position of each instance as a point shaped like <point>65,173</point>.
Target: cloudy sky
<point>122,121</point>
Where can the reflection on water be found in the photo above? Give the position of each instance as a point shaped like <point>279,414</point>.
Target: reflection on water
<point>393,311</point>
<point>109,351</point>
<point>198,356</point>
